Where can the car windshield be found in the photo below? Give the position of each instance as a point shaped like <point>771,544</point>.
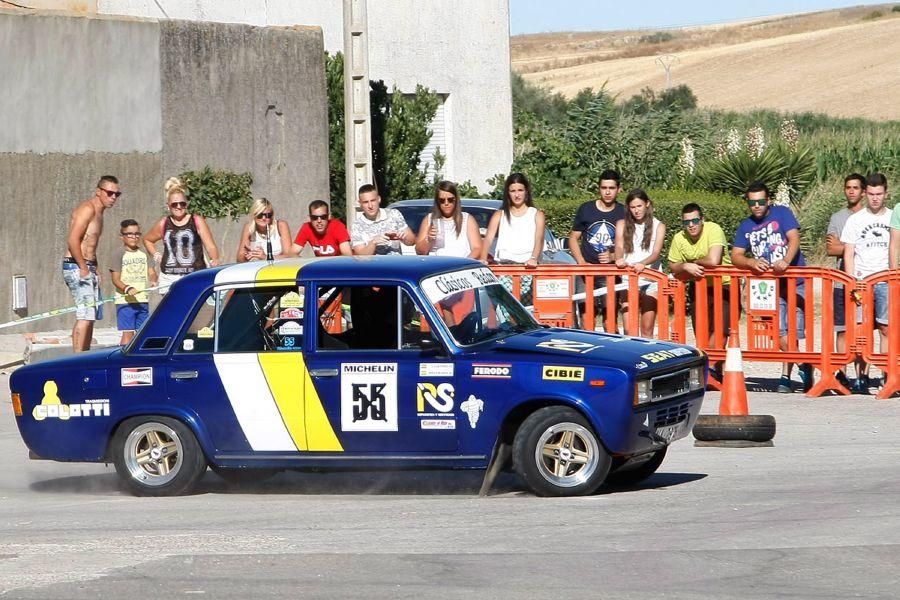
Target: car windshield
<point>476,307</point>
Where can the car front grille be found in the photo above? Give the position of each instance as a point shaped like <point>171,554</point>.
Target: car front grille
<point>672,415</point>
<point>669,385</point>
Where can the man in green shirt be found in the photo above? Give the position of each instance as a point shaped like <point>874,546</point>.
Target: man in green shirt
<point>701,244</point>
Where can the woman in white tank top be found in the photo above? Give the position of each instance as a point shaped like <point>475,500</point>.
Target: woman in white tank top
<point>447,231</point>
<point>639,242</point>
<point>262,229</point>
<point>519,229</point>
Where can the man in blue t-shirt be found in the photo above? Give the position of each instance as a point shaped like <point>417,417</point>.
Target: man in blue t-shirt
<point>768,242</point>
<point>593,236</point>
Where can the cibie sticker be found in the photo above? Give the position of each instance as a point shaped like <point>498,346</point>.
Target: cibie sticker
<point>434,399</point>
<point>441,286</point>
<point>567,345</point>
<point>491,371</point>
<point>137,376</point>
<point>436,369</point>
<point>369,396</point>
<point>554,373</point>
<point>472,407</point>
<point>51,407</point>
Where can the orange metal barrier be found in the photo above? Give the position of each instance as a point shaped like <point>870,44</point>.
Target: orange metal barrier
<point>558,299</point>
<point>867,345</point>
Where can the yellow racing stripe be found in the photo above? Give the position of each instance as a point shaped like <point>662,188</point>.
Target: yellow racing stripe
<point>319,431</point>
<point>276,274</point>
<point>282,371</point>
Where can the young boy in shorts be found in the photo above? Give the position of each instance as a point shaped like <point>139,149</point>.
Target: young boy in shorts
<point>131,272</point>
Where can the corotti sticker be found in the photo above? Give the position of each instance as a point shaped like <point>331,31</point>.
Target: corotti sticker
<point>369,396</point>
<point>51,407</point>
<point>136,376</point>
<point>491,371</point>
<point>554,373</point>
<point>473,408</point>
<point>436,369</point>
<point>434,399</point>
<point>567,345</point>
<point>438,424</point>
<point>664,355</point>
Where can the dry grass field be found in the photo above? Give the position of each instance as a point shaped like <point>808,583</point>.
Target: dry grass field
<point>844,63</point>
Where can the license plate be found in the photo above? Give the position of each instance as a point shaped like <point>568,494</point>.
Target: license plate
<point>670,433</point>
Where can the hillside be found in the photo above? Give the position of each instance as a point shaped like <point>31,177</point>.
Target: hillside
<point>841,62</point>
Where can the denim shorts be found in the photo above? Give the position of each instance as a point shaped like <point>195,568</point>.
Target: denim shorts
<point>801,317</point>
<point>840,322</point>
<point>131,316</point>
<point>85,292</point>
<point>881,305</point>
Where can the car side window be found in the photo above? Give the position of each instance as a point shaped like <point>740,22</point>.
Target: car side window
<point>364,317</point>
<point>200,335</point>
<point>260,319</point>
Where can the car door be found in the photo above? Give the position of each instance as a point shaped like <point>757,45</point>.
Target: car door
<point>384,380</point>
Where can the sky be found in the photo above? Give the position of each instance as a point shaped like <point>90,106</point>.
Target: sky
<point>535,16</point>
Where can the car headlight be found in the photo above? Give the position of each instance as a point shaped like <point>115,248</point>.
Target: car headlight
<point>642,392</point>
<point>695,378</point>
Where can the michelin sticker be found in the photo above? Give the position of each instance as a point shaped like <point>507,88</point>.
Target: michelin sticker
<point>51,407</point>
<point>369,396</point>
<point>473,408</point>
<point>436,369</point>
<point>567,345</point>
<point>441,287</point>
<point>132,377</point>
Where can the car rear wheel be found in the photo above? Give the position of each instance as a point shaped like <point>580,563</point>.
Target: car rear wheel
<point>557,453</point>
<point>157,456</point>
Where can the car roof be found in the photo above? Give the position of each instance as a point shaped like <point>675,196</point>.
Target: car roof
<point>466,202</point>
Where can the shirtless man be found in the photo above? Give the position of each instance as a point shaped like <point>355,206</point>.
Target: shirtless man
<point>80,262</point>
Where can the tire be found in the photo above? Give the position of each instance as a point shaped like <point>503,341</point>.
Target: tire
<point>239,477</point>
<point>157,456</point>
<point>750,428</point>
<point>639,473</point>
<point>557,453</point>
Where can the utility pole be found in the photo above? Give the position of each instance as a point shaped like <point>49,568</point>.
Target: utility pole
<point>666,61</point>
<point>357,117</point>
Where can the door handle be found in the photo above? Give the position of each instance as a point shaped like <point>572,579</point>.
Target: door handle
<point>323,372</point>
<point>183,375</point>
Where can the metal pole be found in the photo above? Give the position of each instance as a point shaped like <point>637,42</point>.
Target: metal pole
<point>666,61</point>
<point>357,119</point>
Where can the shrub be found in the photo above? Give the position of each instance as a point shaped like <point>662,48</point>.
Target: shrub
<point>217,194</point>
<point>657,37</point>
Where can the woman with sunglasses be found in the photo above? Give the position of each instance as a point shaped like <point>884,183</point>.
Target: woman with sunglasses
<point>262,230</point>
<point>448,231</point>
<point>184,236</point>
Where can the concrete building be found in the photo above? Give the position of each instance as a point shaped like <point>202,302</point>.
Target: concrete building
<point>457,48</point>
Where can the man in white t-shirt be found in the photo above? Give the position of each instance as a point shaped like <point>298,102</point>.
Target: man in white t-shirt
<point>866,237</point>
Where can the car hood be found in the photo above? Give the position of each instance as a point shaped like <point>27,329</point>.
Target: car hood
<point>601,348</point>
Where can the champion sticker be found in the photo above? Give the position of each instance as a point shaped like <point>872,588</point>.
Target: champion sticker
<point>490,371</point>
<point>137,376</point>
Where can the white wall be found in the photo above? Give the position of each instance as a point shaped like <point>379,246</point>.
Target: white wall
<point>459,48</point>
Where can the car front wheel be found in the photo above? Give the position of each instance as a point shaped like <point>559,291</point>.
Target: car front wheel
<point>157,456</point>
<point>557,453</point>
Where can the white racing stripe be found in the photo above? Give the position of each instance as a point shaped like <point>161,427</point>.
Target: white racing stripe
<point>239,273</point>
<point>252,401</point>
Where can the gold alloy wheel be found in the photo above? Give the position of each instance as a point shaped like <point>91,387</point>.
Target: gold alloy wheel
<point>567,454</point>
<point>153,453</point>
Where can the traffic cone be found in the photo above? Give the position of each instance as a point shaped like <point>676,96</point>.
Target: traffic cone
<point>734,426</point>
<point>734,388</point>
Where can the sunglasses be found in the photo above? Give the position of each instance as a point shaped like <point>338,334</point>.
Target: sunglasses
<point>266,215</point>
<point>110,193</point>
<point>761,202</point>
<point>132,234</point>
<point>178,205</point>
<point>446,200</point>
<point>318,217</point>
<point>689,222</point>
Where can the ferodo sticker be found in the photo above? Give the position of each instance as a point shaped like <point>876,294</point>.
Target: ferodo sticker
<point>137,376</point>
<point>664,355</point>
<point>554,373</point>
<point>369,396</point>
<point>491,371</point>
<point>51,407</point>
<point>567,345</point>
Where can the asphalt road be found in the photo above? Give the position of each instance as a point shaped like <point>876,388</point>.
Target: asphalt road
<point>816,516</point>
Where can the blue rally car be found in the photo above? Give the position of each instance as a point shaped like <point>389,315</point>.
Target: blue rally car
<point>387,362</point>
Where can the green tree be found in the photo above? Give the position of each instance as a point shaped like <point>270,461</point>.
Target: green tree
<point>334,84</point>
